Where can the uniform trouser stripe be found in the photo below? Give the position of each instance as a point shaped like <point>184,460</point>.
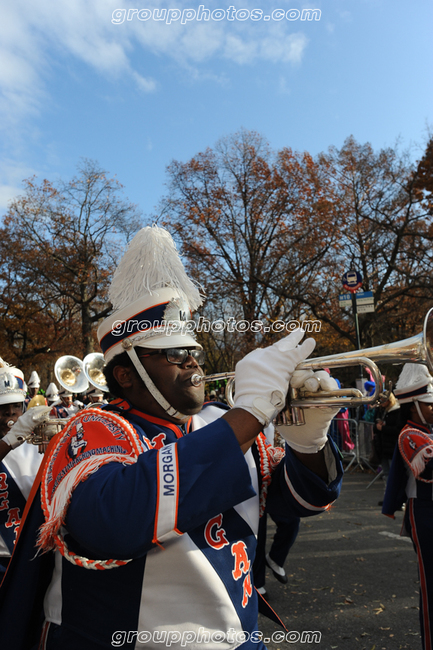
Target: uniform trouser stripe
<point>44,636</point>
<point>422,545</point>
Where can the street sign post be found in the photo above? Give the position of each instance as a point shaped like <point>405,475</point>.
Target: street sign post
<point>352,280</point>
<point>364,298</point>
<point>362,302</point>
<point>345,299</point>
<point>363,309</point>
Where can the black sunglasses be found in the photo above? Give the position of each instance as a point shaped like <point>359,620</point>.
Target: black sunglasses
<point>178,355</point>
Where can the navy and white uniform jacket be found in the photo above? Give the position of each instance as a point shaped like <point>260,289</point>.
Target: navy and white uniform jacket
<point>417,524</point>
<point>401,484</point>
<point>17,473</point>
<point>190,574</point>
<point>61,411</point>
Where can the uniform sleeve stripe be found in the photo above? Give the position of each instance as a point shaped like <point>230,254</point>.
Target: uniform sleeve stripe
<point>168,492</point>
<point>300,500</point>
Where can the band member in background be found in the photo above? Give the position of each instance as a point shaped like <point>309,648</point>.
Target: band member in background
<point>19,462</point>
<point>386,430</point>
<point>67,407</point>
<point>33,386</point>
<point>95,396</point>
<point>411,479</point>
<point>52,395</point>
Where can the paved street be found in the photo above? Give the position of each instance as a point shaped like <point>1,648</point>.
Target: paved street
<point>351,578</point>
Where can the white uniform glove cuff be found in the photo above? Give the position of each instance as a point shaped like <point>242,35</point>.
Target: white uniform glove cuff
<point>14,440</point>
<point>311,449</point>
<point>262,410</point>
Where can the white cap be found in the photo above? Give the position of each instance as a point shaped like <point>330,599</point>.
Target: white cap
<point>34,381</point>
<point>11,385</point>
<point>415,384</point>
<point>52,392</point>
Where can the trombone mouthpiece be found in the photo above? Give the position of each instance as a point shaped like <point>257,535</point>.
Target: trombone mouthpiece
<point>10,424</point>
<point>196,379</point>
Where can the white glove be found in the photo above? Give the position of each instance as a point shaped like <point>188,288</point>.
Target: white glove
<point>25,424</point>
<point>311,437</point>
<point>262,377</point>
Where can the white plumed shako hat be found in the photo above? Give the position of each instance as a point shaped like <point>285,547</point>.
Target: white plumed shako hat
<point>34,381</point>
<point>152,296</point>
<point>153,299</point>
<point>52,392</point>
<point>415,384</point>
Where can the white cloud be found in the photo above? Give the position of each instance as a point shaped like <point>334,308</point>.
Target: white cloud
<point>147,85</point>
<point>37,36</point>
<point>288,49</point>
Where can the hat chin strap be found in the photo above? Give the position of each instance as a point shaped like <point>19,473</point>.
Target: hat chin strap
<point>421,417</point>
<point>170,410</point>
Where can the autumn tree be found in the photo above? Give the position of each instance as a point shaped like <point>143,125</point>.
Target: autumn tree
<point>244,215</point>
<point>423,178</point>
<point>270,234</point>
<point>59,245</point>
<point>384,233</point>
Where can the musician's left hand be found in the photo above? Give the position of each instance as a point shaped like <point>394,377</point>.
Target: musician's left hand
<point>311,437</point>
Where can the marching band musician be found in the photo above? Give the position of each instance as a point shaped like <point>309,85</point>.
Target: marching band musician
<point>34,384</point>
<point>19,463</point>
<point>67,407</point>
<point>52,395</point>
<point>411,480</point>
<point>95,397</point>
<point>161,496</point>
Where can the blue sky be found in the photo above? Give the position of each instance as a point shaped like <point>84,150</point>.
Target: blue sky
<point>136,94</point>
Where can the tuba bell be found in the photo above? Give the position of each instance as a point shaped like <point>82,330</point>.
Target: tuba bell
<point>93,366</point>
<point>70,374</point>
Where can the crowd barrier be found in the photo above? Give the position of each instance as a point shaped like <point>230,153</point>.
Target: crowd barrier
<point>354,438</point>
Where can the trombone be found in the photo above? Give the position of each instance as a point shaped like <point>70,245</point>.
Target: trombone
<point>416,349</point>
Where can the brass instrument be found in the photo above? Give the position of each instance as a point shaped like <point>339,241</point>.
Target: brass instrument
<point>43,433</point>
<point>93,367</point>
<point>416,349</point>
<point>75,375</point>
<point>69,373</point>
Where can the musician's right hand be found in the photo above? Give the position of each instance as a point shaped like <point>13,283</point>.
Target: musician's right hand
<point>24,426</point>
<point>262,377</point>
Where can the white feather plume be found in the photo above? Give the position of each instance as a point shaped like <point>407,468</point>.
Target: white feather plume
<point>151,262</point>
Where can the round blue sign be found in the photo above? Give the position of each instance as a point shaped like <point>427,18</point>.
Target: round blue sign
<point>352,278</point>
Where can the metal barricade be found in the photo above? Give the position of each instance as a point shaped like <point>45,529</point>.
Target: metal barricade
<point>360,439</point>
